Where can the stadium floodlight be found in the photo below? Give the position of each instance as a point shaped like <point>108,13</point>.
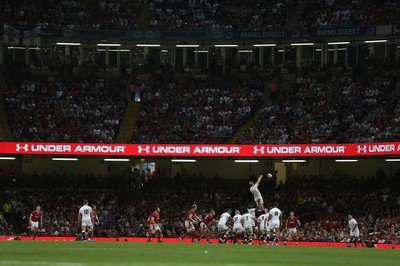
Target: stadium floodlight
<point>247,161</point>
<point>187,45</point>
<point>7,158</point>
<point>393,160</point>
<point>338,43</point>
<point>147,45</point>
<point>318,50</point>
<point>346,160</point>
<point>245,51</point>
<point>109,44</point>
<point>64,159</point>
<point>201,51</point>
<point>375,41</point>
<point>302,44</point>
<point>69,43</point>
<point>116,160</point>
<point>114,50</point>
<point>183,160</point>
<point>264,45</point>
<point>225,45</point>
<point>294,161</point>
<point>16,48</point>
<point>338,49</point>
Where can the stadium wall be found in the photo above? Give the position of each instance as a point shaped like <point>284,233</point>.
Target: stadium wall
<point>362,168</point>
<point>209,167</point>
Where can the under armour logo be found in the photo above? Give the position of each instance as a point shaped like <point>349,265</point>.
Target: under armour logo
<point>24,147</point>
<point>258,150</point>
<point>362,148</point>
<point>146,149</point>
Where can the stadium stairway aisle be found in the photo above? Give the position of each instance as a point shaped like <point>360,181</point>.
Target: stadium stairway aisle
<point>144,17</point>
<point>5,129</point>
<point>128,122</point>
<point>249,121</point>
<point>292,21</point>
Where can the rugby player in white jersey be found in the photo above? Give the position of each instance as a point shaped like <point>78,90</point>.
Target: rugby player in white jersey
<point>263,223</point>
<point>256,193</point>
<point>248,222</point>
<point>354,231</point>
<point>252,211</point>
<point>223,227</point>
<point>275,220</point>
<point>85,217</point>
<point>238,229</point>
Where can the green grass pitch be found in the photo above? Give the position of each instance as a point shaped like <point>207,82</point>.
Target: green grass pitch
<point>127,253</point>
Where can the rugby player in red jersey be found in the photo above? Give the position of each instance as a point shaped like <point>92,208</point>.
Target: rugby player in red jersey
<point>205,226</point>
<point>95,216</point>
<point>190,219</point>
<point>34,219</point>
<point>96,221</point>
<point>154,223</point>
<point>291,225</point>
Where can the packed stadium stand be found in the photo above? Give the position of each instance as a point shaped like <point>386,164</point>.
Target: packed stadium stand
<point>346,107</point>
<point>207,14</point>
<point>323,14</point>
<point>190,111</point>
<point>71,14</point>
<point>82,110</point>
<point>220,15</point>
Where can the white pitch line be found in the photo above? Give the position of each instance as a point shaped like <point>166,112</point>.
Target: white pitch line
<point>46,263</point>
<point>39,263</point>
<point>179,264</point>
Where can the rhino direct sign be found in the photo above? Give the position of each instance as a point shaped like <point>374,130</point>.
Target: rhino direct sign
<point>202,150</point>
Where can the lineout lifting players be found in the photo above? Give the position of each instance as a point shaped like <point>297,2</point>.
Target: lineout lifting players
<point>258,199</point>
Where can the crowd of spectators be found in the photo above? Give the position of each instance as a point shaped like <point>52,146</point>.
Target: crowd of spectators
<point>336,13</point>
<point>121,216</point>
<point>196,14</point>
<point>189,110</point>
<point>72,14</point>
<point>220,14</point>
<point>81,110</point>
<point>343,107</point>
<point>5,228</point>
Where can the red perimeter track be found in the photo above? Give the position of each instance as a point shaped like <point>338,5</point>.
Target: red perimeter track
<point>176,240</point>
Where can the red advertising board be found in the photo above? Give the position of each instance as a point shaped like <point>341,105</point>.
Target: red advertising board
<point>202,150</point>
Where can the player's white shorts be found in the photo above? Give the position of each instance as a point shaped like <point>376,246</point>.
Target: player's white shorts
<point>261,200</point>
<point>248,229</point>
<point>203,226</point>
<point>35,224</point>
<point>238,229</point>
<point>87,222</point>
<point>264,229</point>
<point>274,224</point>
<point>355,233</point>
<point>189,226</point>
<point>154,227</point>
<point>222,227</point>
<point>292,231</point>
